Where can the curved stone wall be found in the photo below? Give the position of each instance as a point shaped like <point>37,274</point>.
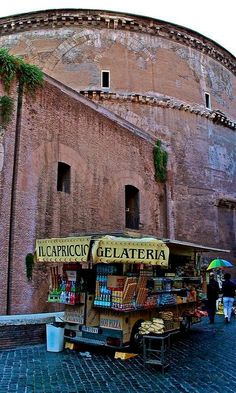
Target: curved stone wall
<point>144,56</point>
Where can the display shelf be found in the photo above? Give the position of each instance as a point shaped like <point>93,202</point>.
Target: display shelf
<point>197,278</point>
<point>65,304</point>
<point>70,321</point>
<point>144,308</point>
<point>174,290</point>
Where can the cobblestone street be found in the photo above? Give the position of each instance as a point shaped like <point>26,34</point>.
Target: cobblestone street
<point>202,361</point>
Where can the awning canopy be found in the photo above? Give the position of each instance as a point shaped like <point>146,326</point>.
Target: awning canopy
<point>110,249</point>
<point>69,249</point>
<point>107,249</point>
<point>192,246</point>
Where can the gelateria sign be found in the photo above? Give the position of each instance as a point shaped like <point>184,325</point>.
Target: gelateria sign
<point>70,249</point>
<point>108,249</point>
<point>126,250</point>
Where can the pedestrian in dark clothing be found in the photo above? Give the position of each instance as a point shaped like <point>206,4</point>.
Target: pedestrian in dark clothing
<point>212,296</point>
<point>228,290</point>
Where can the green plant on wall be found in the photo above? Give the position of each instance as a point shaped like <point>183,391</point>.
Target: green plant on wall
<point>13,68</point>
<point>160,157</point>
<point>6,110</point>
<point>29,262</point>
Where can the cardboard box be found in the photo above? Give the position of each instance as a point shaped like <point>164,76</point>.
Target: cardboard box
<point>76,314</point>
<point>116,282</point>
<point>111,321</point>
<point>93,314</point>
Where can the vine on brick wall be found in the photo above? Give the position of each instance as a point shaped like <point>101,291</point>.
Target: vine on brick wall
<point>6,110</point>
<point>29,262</point>
<point>13,68</point>
<point>160,157</point>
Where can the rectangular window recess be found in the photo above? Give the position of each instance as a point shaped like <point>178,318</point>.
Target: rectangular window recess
<point>207,101</point>
<point>105,79</point>
<point>63,177</point>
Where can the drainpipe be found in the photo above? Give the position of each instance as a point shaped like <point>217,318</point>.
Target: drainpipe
<point>13,195</point>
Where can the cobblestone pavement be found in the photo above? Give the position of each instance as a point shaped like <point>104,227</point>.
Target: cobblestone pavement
<point>202,361</point>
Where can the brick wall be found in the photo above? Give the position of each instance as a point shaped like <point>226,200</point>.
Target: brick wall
<point>107,152</point>
<point>12,336</point>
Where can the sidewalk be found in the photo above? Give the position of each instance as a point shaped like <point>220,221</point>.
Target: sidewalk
<point>202,361</point>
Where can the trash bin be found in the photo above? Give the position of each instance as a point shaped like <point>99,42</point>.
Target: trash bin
<point>55,337</point>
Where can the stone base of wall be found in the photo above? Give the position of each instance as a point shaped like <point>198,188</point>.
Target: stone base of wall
<point>20,335</point>
<point>21,330</point>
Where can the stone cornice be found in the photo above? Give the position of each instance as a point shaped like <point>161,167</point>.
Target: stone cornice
<point>216,116</point>
<point>116,20</point>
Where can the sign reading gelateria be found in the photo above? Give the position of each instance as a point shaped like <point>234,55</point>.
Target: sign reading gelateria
<point>108,249</point>
<point>146,250</point>
<point>70,249</point>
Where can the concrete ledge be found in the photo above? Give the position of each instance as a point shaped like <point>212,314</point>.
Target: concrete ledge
<point>28,329</point>
<point>31,319</point>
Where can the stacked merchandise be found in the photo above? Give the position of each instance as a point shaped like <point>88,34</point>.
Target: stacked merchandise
<point>54,288</point>
<point>133,294</point>
<point>71,285</point>
<point>151,301</point>
<point>103,294</point>
<point>69,292</point>
<point>158,284</point>
<point>122,292</point>
<point>169,321</point>
<point>156,326</point>
<point>142,291</point>
<point>123,295</point>
<point>166,297</point>
<point>64,289</point>
<point>164,323</point>
<point>129,292</point>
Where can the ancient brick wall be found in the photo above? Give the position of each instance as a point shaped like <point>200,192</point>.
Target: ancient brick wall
<point>7,151</point>
<point>158,82</point>
<point>104,156</point>
<point>18,335</point>
<point>58,125</point>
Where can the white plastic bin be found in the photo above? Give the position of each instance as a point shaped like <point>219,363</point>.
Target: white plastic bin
<point>55,338</point>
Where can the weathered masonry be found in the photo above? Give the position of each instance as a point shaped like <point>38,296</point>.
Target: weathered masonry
<point>77,158</point>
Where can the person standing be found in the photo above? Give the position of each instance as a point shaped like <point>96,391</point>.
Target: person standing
<point>213,290</point>
<point>228,291</point>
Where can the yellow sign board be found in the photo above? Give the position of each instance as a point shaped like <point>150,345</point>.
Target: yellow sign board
<point>126,250</point>
<point>70,249</point>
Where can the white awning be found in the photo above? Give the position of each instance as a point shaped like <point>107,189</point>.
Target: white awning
<point>193,246</point>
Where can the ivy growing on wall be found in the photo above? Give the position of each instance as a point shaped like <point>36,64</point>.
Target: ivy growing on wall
<point>160,157</point>
<point>6,110</point>
<point>13,68</point>
<point>29,262</point>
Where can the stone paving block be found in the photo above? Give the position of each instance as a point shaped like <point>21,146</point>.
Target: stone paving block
<point>201,361</point>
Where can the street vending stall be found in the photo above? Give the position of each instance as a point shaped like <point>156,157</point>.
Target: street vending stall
<point>117,288</point>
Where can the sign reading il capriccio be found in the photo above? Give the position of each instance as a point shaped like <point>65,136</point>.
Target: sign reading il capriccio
<point>70,249</point>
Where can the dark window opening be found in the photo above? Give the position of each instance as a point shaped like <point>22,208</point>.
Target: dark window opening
<point>207,101</point>
<point>105,79</point>
<point>63,177</point>
<point>131,207</point>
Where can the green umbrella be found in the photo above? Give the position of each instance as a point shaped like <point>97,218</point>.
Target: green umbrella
<point>219,263</point>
